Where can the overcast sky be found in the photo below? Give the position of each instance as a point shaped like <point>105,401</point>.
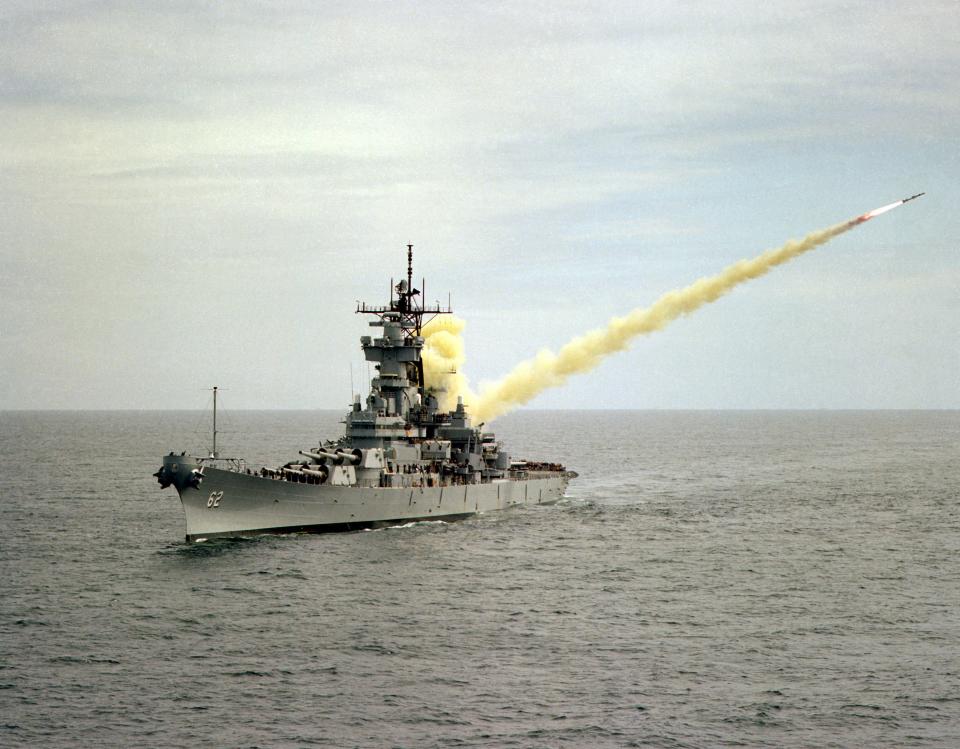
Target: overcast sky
<point>197,193</point>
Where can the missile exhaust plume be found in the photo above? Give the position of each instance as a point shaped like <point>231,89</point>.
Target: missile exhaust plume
<point>582,354</point>
<point>443,354</point>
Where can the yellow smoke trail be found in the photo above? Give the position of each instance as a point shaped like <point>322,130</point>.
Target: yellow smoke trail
<point>547,369</point>
<point>443,355</point>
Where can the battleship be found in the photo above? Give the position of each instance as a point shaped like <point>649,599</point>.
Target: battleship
<point>401,459</point>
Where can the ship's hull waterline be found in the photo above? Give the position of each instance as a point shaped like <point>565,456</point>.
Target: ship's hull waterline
<point>230,503</point>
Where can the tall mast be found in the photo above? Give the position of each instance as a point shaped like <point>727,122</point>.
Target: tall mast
<point>213,453</point>
<point>410,271</point>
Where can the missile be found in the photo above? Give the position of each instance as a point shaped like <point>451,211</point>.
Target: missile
<point>883,209</point>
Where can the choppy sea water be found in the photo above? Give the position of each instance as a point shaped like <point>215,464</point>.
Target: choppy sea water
<point>762,579</point>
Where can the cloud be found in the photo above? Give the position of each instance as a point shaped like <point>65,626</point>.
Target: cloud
<point>316,140</point>
<point>420,75</point>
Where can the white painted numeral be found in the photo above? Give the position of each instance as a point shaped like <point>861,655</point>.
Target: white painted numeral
<point>214,500</point>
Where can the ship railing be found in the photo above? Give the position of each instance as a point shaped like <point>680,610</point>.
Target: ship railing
<point>238,465</point>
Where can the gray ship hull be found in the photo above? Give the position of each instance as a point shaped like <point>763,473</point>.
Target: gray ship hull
<point>233,503</point>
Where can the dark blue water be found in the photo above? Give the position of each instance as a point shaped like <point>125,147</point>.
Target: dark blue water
<point>714,579</point>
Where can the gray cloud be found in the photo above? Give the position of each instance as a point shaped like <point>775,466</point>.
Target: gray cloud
<point>295,147</point>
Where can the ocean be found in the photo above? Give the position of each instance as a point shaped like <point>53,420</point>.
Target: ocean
<point>758,579</point>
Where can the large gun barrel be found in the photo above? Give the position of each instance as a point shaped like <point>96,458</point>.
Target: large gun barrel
<point>348,457</point>
<point>338,457</point>
<point>318,456</point>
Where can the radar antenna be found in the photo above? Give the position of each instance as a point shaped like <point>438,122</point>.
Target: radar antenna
<point>410,269</point>
<point>405,308</point>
